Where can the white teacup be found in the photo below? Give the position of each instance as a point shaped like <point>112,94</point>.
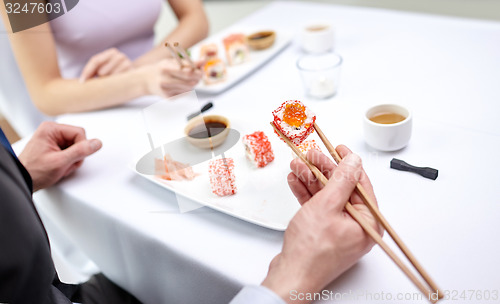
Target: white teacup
<point>390,135</point>
<point>317,37</point>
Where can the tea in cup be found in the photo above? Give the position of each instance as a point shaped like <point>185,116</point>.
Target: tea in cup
<point>387,127</point>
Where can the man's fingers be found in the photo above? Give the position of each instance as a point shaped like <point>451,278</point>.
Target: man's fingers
<point>298,188</point>
<point>322,162</point>
<point>66,135</point>
<point>342,183</point>
<point>73,168</point>
<point>300,169</point>
<point>343,150</point>
<point>80,150</point>
<point>363,179</point>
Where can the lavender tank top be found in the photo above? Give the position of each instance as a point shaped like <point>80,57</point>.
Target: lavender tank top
<point>93,26</point>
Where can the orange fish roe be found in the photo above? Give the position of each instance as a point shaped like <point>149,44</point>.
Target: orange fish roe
<point>294,114</point>
<point>294,120</point>
<point>307,145</point>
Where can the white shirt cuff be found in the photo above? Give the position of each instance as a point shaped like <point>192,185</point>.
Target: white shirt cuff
<point>256,294</point>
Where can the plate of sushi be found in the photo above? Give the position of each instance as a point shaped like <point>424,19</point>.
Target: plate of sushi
<point>246,177</point>
<point>234,53</point>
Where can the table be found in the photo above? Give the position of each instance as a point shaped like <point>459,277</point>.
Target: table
<point>445,69</point>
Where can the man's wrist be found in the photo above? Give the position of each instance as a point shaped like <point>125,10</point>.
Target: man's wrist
<point>282,281</point>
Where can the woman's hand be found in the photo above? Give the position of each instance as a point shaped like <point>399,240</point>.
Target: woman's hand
<point>322,240</point>
<point>167,79</point>
<point>108,62</point>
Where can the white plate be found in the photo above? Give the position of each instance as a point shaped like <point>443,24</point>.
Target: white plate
<point>263,196</point>
<point>238,72</point>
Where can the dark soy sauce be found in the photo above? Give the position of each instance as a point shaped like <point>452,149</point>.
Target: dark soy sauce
<point>207,129</point>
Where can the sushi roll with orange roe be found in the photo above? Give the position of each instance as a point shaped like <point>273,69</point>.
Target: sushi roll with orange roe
<point>222,178</point>
<point>258,148</point>
<point>294,120</point>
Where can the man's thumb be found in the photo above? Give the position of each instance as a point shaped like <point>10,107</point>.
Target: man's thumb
<point>82,149</point>
<point>343,181</point>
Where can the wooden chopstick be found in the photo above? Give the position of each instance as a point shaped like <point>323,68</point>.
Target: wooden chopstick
<point>381,219</point>
<point>359,218</point>
<point>174,54</point>
<point>184,54</point>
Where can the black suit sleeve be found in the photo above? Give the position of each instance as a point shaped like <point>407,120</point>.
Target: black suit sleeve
<point>26,267</point>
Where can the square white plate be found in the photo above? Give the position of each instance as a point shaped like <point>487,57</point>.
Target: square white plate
<point>263,196</point>
<point>237,73</point>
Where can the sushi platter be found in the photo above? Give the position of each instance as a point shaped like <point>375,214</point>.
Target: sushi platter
<point>233,68</point>
<point>262,194</point>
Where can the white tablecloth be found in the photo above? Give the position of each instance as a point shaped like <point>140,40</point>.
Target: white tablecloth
<point>447,70</point>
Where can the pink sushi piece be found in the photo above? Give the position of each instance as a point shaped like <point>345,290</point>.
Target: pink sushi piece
<point>258,148</point>
<point>221,174</point>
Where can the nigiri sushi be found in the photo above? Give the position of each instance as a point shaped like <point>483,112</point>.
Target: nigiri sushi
<point>236,49</point>
<point>222,178</point>
<point>258,148</point>
<point>294,120</point>
<point>214,71</point>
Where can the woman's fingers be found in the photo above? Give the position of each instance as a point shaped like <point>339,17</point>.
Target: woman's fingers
<point>115,64</point>
<point>90,69</point>
<point>123,67</point>
<point>184,75</point>
<point>172,89</point>
<point>106,63</point>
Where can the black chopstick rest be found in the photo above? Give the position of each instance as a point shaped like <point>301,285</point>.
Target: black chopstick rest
<point>426,172</point>
<point>206,107</point>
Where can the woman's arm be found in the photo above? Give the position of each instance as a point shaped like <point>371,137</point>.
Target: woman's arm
<point>192,27</point>
<point>36,57</point>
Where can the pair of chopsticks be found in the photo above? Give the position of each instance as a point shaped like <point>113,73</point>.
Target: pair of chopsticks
<point>378,216</point>
<point>180,53</point>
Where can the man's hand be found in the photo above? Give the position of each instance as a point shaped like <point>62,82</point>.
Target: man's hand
<point>56,151</point>
<point>322,240</point>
